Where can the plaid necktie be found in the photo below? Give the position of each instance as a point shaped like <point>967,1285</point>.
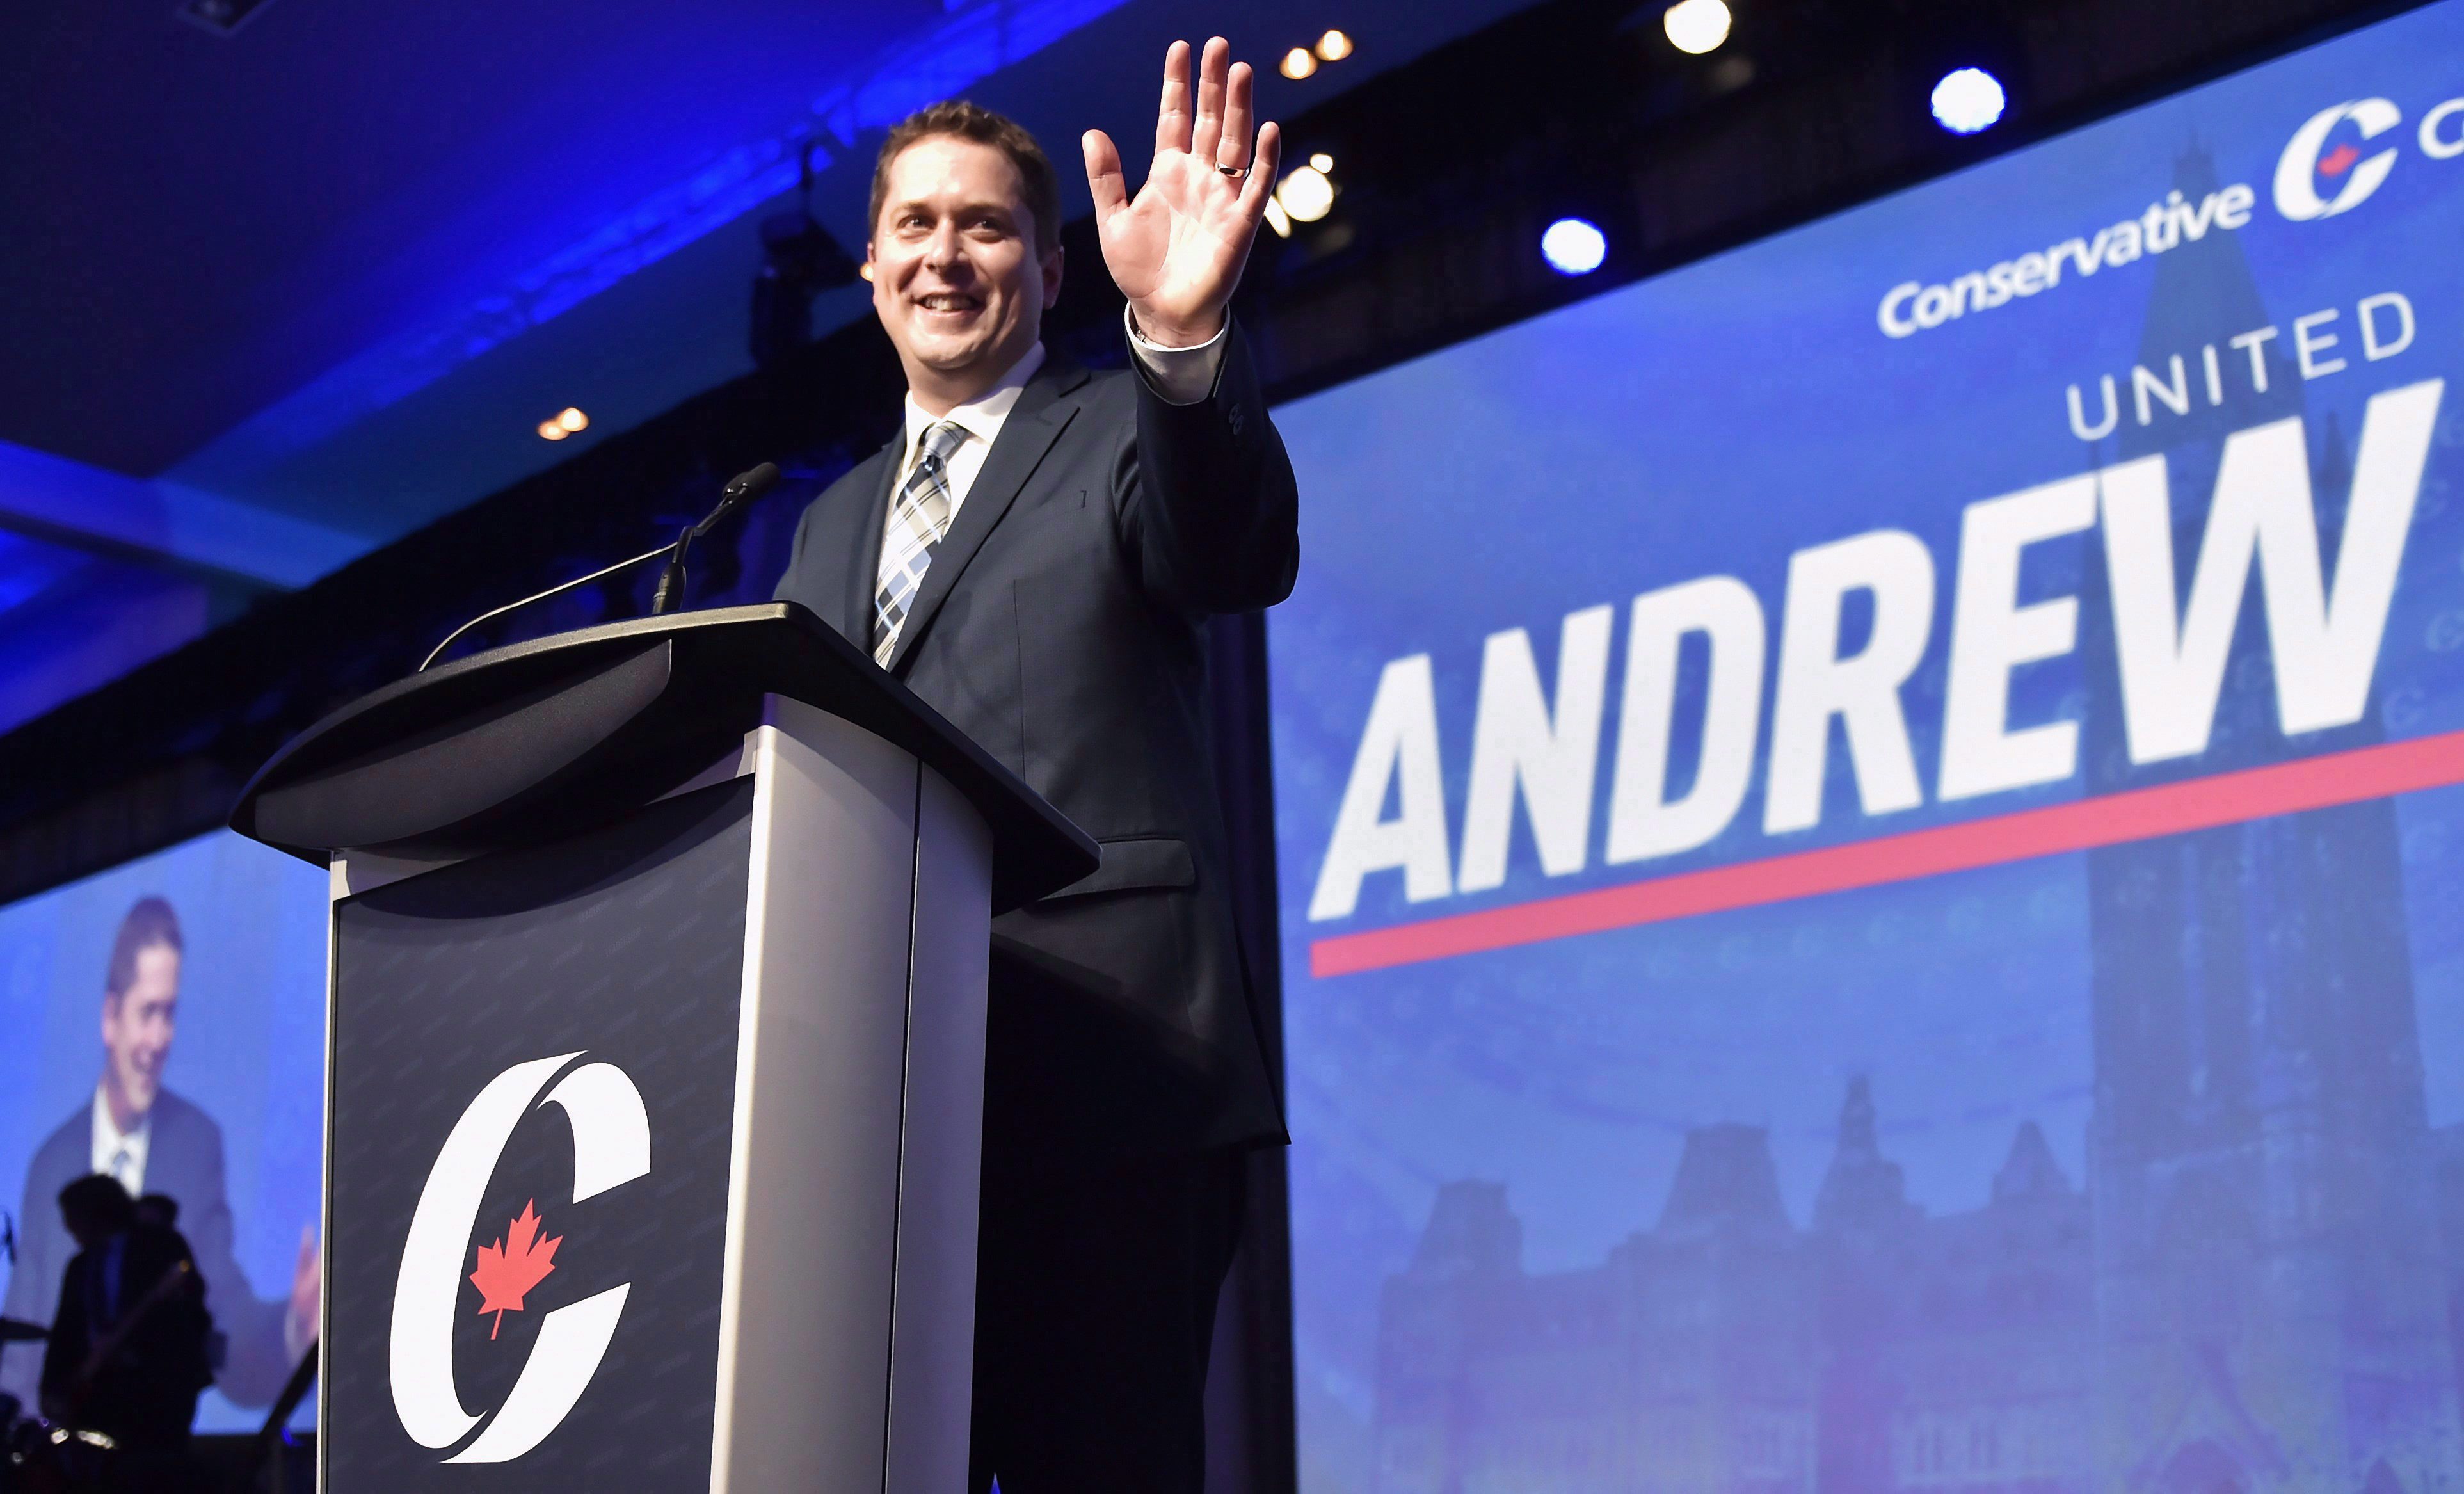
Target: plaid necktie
<point>918,520</point>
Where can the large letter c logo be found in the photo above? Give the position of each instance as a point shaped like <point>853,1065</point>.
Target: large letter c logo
<point>612,1145</point>
<point>2297,170</point>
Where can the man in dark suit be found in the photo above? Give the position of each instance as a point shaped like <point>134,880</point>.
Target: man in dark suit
<point>126,1355</point>
<point>152,1140</point>
<point>1036,556</point>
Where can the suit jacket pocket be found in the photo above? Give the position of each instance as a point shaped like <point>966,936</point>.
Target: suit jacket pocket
<point>1149,861</point>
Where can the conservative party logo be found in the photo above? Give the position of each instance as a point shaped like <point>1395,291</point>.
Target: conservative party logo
<point>2314,181</point>
<point>2331,165</point>
<point>611,1146</point>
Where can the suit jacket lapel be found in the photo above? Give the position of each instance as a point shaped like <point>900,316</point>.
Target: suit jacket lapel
<point>863,548</point>
<point>1034,424</point>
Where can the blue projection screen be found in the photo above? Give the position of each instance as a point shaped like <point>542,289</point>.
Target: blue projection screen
<point>1873,840</point>
<point>224,1078</point>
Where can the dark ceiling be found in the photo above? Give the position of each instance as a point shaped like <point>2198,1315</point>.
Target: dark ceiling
<point>202,223</point>
<point>340,263</point>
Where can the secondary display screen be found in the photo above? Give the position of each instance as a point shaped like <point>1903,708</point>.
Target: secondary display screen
<point>165,1020</point>
<point>1871,845</point>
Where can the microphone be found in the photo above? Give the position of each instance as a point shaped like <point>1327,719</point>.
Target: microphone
<point>742,489</point>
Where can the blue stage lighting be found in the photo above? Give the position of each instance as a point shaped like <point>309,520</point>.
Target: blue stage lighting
<point>1573,247</point>
<point>1968,99</point>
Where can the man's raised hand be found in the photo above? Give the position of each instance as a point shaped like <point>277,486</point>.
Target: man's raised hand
<point>1176,250</point>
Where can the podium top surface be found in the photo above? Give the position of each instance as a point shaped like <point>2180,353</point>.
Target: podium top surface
<point>548,737</point>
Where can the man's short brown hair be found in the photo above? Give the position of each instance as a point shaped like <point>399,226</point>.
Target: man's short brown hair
<point>1039,185</point>
<point>149,925</point>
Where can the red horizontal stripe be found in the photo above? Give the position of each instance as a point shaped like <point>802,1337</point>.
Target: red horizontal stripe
<point>2341,777</point>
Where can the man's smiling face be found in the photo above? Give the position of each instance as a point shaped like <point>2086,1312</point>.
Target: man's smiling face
<point>138,1026</point>
<point>956,278</point>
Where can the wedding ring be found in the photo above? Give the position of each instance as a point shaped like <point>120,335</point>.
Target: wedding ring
<point>1236,173</point>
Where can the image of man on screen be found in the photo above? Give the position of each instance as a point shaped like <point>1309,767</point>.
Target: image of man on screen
<point>153,1141</point>
<point>1037,554</point>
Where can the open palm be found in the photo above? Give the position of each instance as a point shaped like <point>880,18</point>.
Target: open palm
<point>1176,250</point>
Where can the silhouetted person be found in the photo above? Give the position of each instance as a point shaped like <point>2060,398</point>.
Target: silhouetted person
<point>127,1351</point>
<point>160,1210</point>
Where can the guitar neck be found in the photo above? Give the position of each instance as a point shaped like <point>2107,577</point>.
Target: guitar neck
<point>170,1282</point>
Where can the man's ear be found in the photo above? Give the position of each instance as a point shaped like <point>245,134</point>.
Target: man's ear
<point>1052,278</point>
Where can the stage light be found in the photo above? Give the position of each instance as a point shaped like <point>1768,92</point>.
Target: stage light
<point>220,16</point>
<point>572,419</point>
<point>1297,64</point>
<point>800,260</point>
<point>1306,194</point>
<point>1334,46</point>
<point>1572,246</point>
<point>1322,163</point>
<point>1968,99</point>
<point>1696,25</point>
<point>1278,220</point>
<point>550,430</point>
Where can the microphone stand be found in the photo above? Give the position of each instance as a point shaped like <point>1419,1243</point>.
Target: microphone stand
<point>537,596</point>
<point>672,580</point>
<point>740,489</point>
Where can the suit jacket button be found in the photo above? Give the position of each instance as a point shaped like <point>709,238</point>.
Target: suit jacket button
<point>1236,421</point>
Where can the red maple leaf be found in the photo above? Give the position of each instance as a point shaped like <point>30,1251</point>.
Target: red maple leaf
<point>513,1265</point>
<point>2339,160</point>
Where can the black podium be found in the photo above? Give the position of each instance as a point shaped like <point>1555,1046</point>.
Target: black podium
<point>654,1061</point>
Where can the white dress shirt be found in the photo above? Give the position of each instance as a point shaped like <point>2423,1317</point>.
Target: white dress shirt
<point>120,1154</point>
<point>1182,375</point>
